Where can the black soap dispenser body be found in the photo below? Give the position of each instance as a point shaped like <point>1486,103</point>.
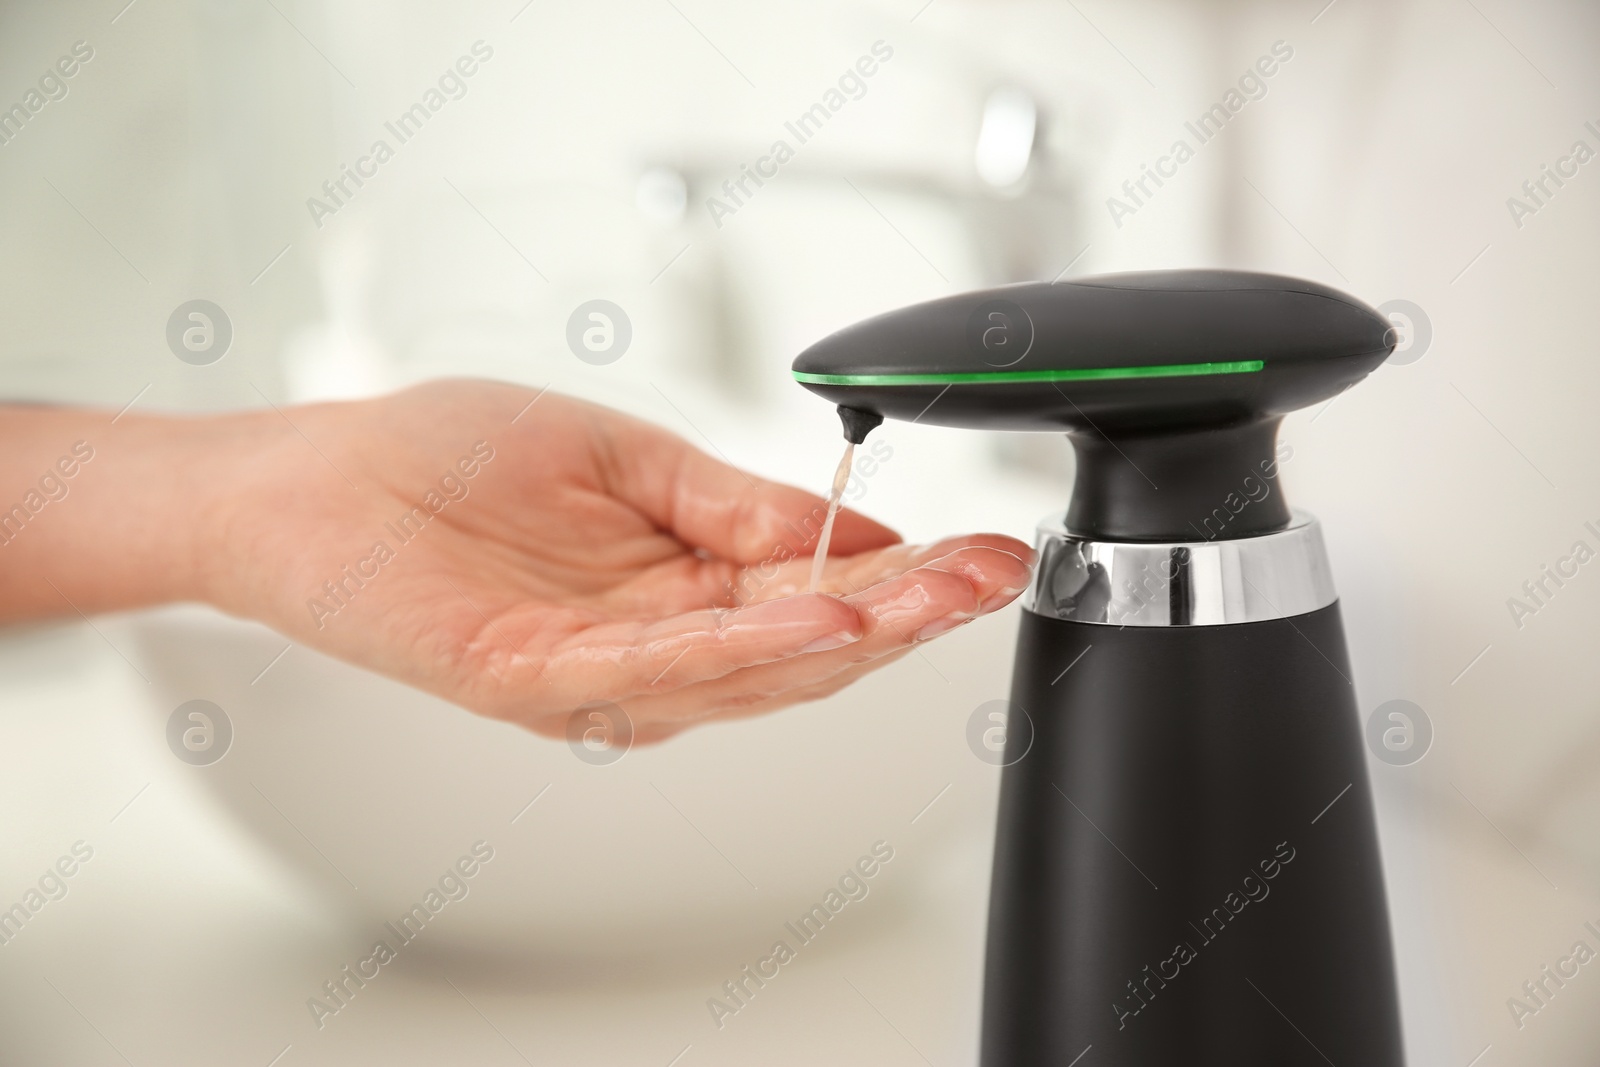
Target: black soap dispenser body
<point>1186,866</point>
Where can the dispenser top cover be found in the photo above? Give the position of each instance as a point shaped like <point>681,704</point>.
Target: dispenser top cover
<point>1116,353</point>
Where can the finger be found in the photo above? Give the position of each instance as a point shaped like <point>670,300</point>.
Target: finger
<point>712,505</point>
<point>895,615</point>
<point>664,717</point>
<point>618,660</point>
<point>851,574</point>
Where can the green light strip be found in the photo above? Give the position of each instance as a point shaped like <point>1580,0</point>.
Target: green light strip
<point>1083,374</point>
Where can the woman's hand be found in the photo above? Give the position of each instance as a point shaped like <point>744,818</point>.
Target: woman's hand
<point>524,554</point>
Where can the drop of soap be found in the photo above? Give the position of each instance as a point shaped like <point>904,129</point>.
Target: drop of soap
<point>841,478</point>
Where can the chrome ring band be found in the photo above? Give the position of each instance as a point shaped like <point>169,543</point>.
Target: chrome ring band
<point>1201,583</point>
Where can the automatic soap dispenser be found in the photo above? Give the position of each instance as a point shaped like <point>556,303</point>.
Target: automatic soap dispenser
<point>1186,866</point>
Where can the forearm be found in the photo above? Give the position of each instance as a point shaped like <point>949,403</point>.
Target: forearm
<point>102,515</point>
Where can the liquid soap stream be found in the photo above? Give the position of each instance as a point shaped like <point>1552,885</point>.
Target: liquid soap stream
<point>841,477</point>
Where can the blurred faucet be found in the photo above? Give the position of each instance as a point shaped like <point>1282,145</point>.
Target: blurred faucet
<point>1018,206</point>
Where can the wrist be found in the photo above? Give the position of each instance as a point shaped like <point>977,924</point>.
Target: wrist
<point>183,473</point>
<point>220,489</point>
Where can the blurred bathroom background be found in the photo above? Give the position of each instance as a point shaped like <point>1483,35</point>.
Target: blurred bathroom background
<point>585,158</point>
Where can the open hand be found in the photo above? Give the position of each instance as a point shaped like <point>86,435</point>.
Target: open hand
<point>523,561</point>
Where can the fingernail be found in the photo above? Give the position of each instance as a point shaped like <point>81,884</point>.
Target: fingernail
<point>831,642</point>
<point>944,625</point>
